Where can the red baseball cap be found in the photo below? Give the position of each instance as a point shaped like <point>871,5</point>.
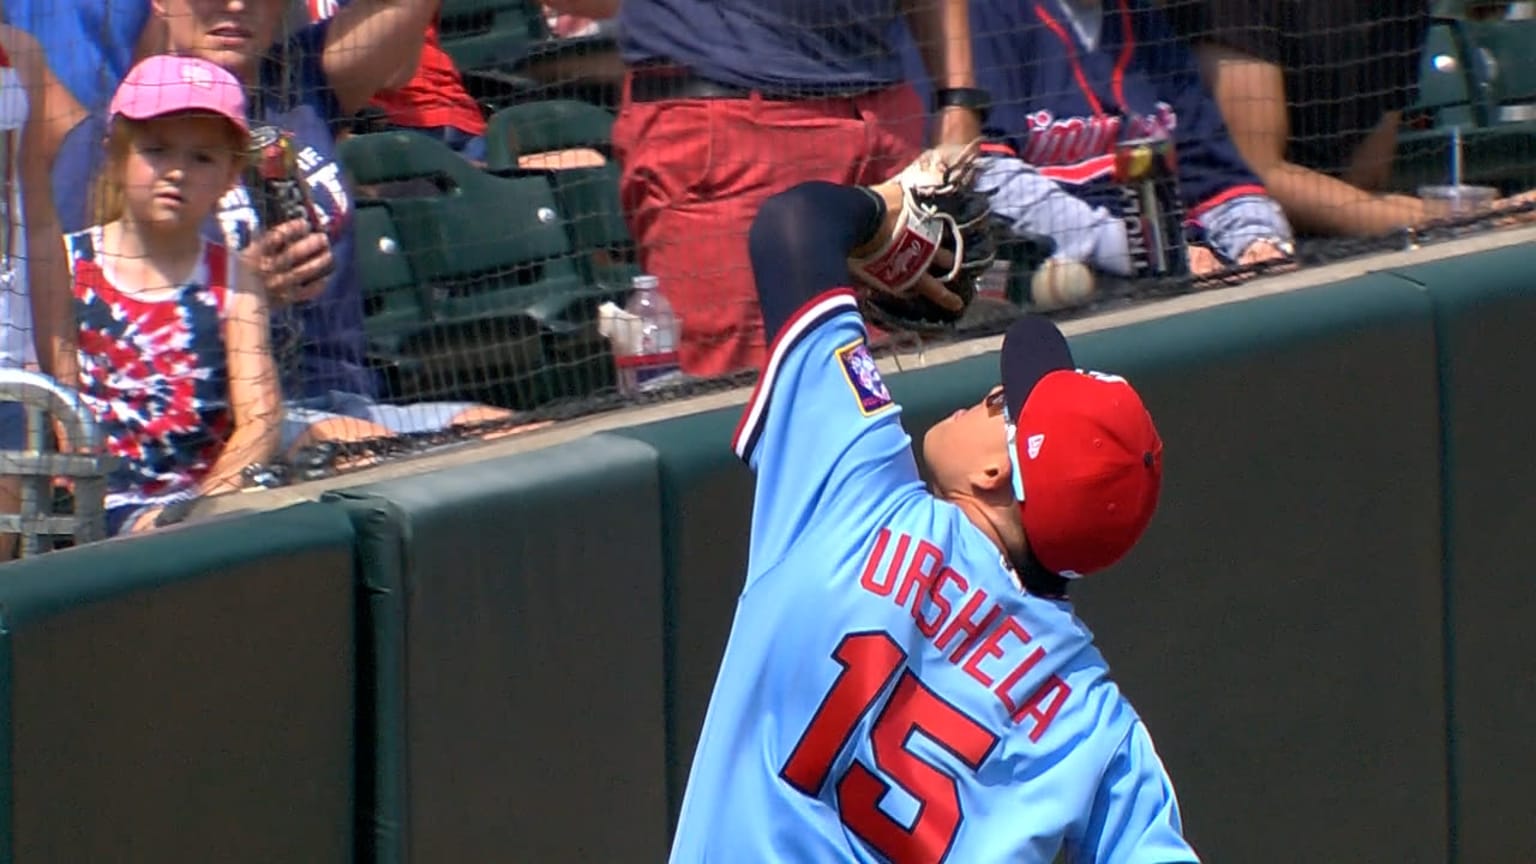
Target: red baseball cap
<point>1087,459</point>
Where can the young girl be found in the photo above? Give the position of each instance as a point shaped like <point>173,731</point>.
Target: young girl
<point>174,358</point>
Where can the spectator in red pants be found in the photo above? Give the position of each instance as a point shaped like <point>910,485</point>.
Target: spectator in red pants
<point>726,104</point>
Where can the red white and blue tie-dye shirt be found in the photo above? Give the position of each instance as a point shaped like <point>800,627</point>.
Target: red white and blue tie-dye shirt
<point>154,373</point>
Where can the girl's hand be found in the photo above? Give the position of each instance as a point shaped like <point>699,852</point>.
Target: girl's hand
<point>292,259</point>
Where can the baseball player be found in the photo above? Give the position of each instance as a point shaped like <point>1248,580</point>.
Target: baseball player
<point>1071,79</point>
<point>905,679</point>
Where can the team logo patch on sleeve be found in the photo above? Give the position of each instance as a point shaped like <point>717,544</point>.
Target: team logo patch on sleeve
<point>863,376</point>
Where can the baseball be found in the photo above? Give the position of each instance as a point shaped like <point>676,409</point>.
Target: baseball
<point>1061,283</point>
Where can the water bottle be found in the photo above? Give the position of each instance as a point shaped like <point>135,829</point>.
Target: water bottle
<point>649,359</point>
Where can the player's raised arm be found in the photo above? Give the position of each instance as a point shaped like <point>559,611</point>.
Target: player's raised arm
<point>800,243</point>
<point>821,423</point>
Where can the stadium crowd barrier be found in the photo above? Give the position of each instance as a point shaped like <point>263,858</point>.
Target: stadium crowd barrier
<point>1324,628</point>
<point>183,696</point>
<point>515,610</point>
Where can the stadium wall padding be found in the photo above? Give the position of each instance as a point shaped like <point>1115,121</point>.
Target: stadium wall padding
<point>515,611</point>
<point>1325,627</point>
<point>183,696</point>
<point>1485,325</point>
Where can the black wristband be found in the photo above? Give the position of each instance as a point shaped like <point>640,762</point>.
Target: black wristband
<point>974,98</point>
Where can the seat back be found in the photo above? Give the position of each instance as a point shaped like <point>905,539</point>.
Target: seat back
<point>506,299</point>
<point>545,127</point>
<point>1448,94</point>
<point>484,244</point>
<point>1508,51</point>
<point>391,296</point>
<point>484,34</point>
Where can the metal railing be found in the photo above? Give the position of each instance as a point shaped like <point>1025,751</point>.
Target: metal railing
<point>44,401</point>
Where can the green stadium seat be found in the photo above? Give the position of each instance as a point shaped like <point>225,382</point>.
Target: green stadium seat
<point>544,127</point>
<point>507,300</point>
<point>1460,87</point>
<point>391,294</point>
<point>483,34</point>
<point>590,198</point>
<point>1449,89</point>
<point>506,53</point>
<point>394,304</point>
<point>588,195</point>
<point>1508,49</point>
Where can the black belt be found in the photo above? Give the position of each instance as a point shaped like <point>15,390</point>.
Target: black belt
<point>662,83</point>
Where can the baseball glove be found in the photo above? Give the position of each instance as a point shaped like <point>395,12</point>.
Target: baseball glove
<point>923,276</point>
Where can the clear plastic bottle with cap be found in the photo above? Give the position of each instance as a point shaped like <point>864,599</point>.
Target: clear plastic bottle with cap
<point>649,359</point>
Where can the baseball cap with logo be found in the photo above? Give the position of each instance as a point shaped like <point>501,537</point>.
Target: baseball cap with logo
<point>167,84</point>
<point>1087,459</point>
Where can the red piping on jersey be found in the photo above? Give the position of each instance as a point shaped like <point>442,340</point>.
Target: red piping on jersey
<point>999,148</point>
<point>788,335</point>
<point>1077,68</point>
<point>1123,62</point>
<point>1127,48</point>
<point>1223,197</point>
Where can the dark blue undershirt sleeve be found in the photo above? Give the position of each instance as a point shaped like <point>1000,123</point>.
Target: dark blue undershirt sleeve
<point>800,242</point>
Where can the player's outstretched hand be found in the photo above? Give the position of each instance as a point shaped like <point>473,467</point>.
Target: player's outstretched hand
<point>922,266</point>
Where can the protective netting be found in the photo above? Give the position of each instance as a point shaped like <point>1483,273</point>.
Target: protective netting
<point>445,220</point>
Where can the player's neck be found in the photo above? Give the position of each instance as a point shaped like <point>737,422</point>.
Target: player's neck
<point>993,522</point>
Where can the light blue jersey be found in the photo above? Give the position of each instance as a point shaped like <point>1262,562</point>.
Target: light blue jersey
<point>889,693</point>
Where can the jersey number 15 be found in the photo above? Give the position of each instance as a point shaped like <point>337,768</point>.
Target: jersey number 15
<point>870,661</point>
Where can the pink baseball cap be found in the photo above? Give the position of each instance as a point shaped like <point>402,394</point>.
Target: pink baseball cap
<point>168,84</point>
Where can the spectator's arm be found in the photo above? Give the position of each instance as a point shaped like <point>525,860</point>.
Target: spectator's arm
<point>1030,203</point>
<point>942,31</point>
<point>1251,95</point>
<point>594,9</point>
<point>1221,193</point>
<point>374,45</point>
<point>51,112</point>
<point>254,400</point>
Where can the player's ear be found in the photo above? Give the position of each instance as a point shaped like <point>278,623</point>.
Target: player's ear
<point>993,478</point>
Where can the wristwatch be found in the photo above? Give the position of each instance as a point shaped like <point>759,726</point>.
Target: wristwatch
<point>974,98</point>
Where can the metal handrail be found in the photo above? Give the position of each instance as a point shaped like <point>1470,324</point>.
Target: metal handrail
<point>37,464</point>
